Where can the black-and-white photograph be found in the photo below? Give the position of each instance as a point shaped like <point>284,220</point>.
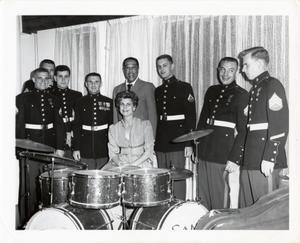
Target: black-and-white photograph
<point>128,119</point>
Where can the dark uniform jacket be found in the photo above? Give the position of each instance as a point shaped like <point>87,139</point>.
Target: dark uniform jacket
<point>40,109</point>
<point>93,116</point>
<point>225,110</point>
<point>268,123</point>
<point>67,97</point>
<point>176,114</point>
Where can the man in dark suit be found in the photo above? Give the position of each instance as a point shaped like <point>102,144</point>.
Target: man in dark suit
<point>67,97</point>
<point>268,127</point>
<point>146,109</point>
<point>175,104</point>
<point>93,116</point>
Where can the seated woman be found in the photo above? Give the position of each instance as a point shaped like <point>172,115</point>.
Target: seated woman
<point>131,140</point>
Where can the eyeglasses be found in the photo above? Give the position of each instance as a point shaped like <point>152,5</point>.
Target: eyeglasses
<point>93,83</point>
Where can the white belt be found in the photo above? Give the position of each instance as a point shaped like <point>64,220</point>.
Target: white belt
<point>173,117</point>
<point>258,126</point>
<point>66,119</point>
<point>94,128</point>
<point>38,127</point>
<point>220,123</point>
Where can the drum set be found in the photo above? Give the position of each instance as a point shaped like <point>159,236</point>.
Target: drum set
<point>118,198</point>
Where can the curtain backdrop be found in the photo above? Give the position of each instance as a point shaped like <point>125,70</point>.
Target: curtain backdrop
<point>196,43</point>
<point>76,47</point>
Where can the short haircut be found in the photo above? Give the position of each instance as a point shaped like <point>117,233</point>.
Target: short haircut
<point>131,58</point>
<point>40,70</point>
<point>92,74</point>
<point>257,52</point>
<point>62,68</point>
<point>126,95</point>
<point>228,59</point>
<point>165,56</point>
<point>48,61</point>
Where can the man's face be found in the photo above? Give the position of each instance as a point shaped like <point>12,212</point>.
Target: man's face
<point>227,72</point>
<point>50,68</point>
<point>93,84</point>
<point>41,80</point>
<point>250,67</point>
<point>130,70</point>
<point>62,78</point>
<point>164,68</point>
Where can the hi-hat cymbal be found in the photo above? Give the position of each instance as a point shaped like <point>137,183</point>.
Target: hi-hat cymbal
<point>28,144</point>
<point>180,173</point>
<point>192,135</point>
<point>52,157</point>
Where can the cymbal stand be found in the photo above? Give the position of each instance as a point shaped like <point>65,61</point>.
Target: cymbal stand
<point>51,184</point>
<point>27,185</point>
<point>195,170</point>
<point>123,224</point>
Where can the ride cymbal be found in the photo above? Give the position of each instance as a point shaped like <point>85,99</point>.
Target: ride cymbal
<point>192,135</point>
<point>28,144</point>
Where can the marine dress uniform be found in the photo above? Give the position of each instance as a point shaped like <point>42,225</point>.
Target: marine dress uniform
<point>176,113</point>
<point>67,97</point>
<point>225,110</point>
<point>93,116</point>
<point>38,119</point>
<point>268,127</point>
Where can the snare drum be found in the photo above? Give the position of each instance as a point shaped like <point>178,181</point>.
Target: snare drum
<point>146,187</point>
<point>61,192</point>
<point>95,189</point>
<point>67,217</point>
<point>177,215</point>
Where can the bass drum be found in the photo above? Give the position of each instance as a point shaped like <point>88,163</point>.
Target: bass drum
<point>177,215</point>
<point>66,217</point>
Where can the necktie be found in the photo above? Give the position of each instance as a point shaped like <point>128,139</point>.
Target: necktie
<point>129,87</point>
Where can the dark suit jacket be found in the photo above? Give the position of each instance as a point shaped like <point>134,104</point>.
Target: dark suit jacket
<point>146,109</point>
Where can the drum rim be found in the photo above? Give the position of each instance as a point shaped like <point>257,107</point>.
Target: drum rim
<point>55,176</point>
<point>134,172</point>
<point>94,205</point>
<point>98,174</point>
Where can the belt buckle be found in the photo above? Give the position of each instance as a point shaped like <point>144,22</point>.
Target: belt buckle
<point>43,126</point>
<point>211,122</point>
<point>165,117</point>
<point>94,128</point>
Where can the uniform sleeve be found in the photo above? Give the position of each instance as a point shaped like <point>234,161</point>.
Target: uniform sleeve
<point>189,111</point>
<point>110,113</point>
<point>278,120</point>
<point>77,126</point>
<point>237,151</point>
<point>20,118</point>
<point>113,148</point>
<point>151,106</point>
<point>204,112</point>
<point>60,128</point>
<point>149,139</point>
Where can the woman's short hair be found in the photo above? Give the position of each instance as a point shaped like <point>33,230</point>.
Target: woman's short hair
<point>126,95</point>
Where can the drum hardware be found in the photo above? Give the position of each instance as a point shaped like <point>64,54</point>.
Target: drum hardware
<point>28,144</point>
<point>194,135</point>
<point>180,173</point>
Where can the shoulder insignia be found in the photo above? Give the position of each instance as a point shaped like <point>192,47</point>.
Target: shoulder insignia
<point>50,101</point>
<point>17,111</point>
<point>246,110</point>
<point>191,98</point>
<point>275,103</point>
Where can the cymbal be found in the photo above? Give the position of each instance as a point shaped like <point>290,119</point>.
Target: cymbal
<point>123,168</point>
<point>28,144</point>
<point>52,157</point>
<point>192,135</point>
<point>180,173</point>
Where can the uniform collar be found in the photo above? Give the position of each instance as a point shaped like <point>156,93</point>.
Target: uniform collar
<point>62,90</point>
<point>94,95</point>
<point>229,86</point>
<point>170,80</point>
<point>39,91</point>
<point>261,77</point>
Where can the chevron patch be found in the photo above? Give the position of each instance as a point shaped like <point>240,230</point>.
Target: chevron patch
<point>191,98</point>
<point>275,103</point>
<point>246,110</point>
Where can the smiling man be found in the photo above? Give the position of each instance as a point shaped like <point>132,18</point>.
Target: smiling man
<point>67,97</point>
<point>225,110</point>
<point>93,116</point>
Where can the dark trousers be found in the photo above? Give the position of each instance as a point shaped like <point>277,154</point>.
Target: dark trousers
<point>177,159</point>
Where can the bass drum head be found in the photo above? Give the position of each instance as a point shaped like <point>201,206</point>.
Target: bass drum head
<point>177,215</point>
<point>67,217</point>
